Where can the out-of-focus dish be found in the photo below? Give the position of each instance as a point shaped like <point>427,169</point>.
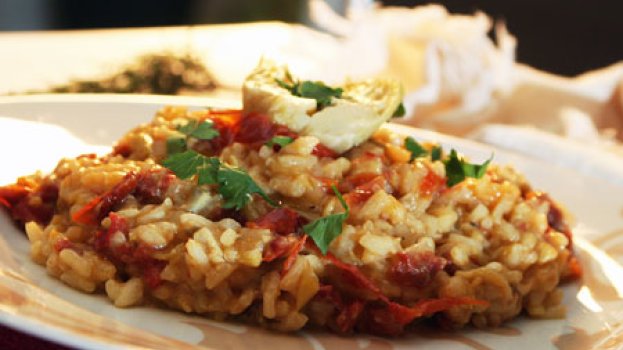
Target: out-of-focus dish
<point>590,320</point>
<point>299,211</point>
<point>154,73</point>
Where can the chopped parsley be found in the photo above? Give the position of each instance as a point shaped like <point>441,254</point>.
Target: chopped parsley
<point>234,184</point>
<point>281,141</point>
<point>435,153</point>
<point>317,90</point>
<point>457,169</point>
<point>202,131</point>
<point>415,148</point>
<point>400,111</point>
<point>176,145</point>
<point>324,230</point>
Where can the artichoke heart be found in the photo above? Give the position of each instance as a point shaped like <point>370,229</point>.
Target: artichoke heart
<point>350,119</point>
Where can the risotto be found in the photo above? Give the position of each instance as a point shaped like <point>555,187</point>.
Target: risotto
<point>232,215</point>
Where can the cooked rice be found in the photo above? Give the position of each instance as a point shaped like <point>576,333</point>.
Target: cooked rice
<point>495,233</point>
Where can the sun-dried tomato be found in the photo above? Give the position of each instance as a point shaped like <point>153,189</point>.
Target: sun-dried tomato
<point>12,194</point>
<point>417,270</point>
<point>292,254</point>
<point>277,248</point>
<point>432,183</point>
<point>101,239</point>
<point>226,122</point>
<point>151,273</point>
<point>321,151</point>
<point>255,128</point>
<point>20,201</point>
<point>99,207</point>
<point>355,278</point>
<point>348,312</point>
<point>152,185</point>
<point>359,188</point>
<point>282,221</point>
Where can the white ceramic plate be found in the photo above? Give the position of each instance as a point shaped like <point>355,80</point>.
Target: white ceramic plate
<point>68,125</point>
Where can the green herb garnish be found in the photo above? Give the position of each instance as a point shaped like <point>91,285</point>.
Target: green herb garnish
<point>281,141</point>
<point>457,169</point>
<point>202,131</point>
<point>435,153</point>
<point>400,111</point>
<point>415,148</point>
<point>176,145</point>
<point>317,90</point>
<point>235,185</point>
<point>324,230</point>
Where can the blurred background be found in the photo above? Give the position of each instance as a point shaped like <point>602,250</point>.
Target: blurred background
<point>565,37</point>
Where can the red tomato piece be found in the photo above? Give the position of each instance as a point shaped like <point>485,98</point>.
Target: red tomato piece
<point>432,183</point>
<point>151,273</point>
<point>101,240</point>
<point>17,199</point>
<point>415,270</point>
<point>292,254</point>
<point>321,151</point>
<point>276,249</point>
<point>255,128</point>
<point>99,207</point>
<point>356,278</point>
<point>282,221</point>
<point>365,186</point>
<point>152,185</point>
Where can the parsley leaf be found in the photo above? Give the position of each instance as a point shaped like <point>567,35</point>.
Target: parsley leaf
<point>324,230</point>
<point>235,185</point>
<point>458,169</point>
<point>400,111</point>
<point>186,164</point>
<point>415,148</point>
<point>176,145</point>
<point>279,141</point>
<point>317,90</point>
<point>435,153</point>
<point>202,131</point>
<point>208,173</point>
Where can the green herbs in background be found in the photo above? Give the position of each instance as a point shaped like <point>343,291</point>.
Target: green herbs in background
<point>281,141</point>
<point>400,111</point>
<point>317,90</point>
<point>235,185</point>
<point>155,73</point>
<point>324,230</point>
<point>457,169</point>
<point>200,130</point>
